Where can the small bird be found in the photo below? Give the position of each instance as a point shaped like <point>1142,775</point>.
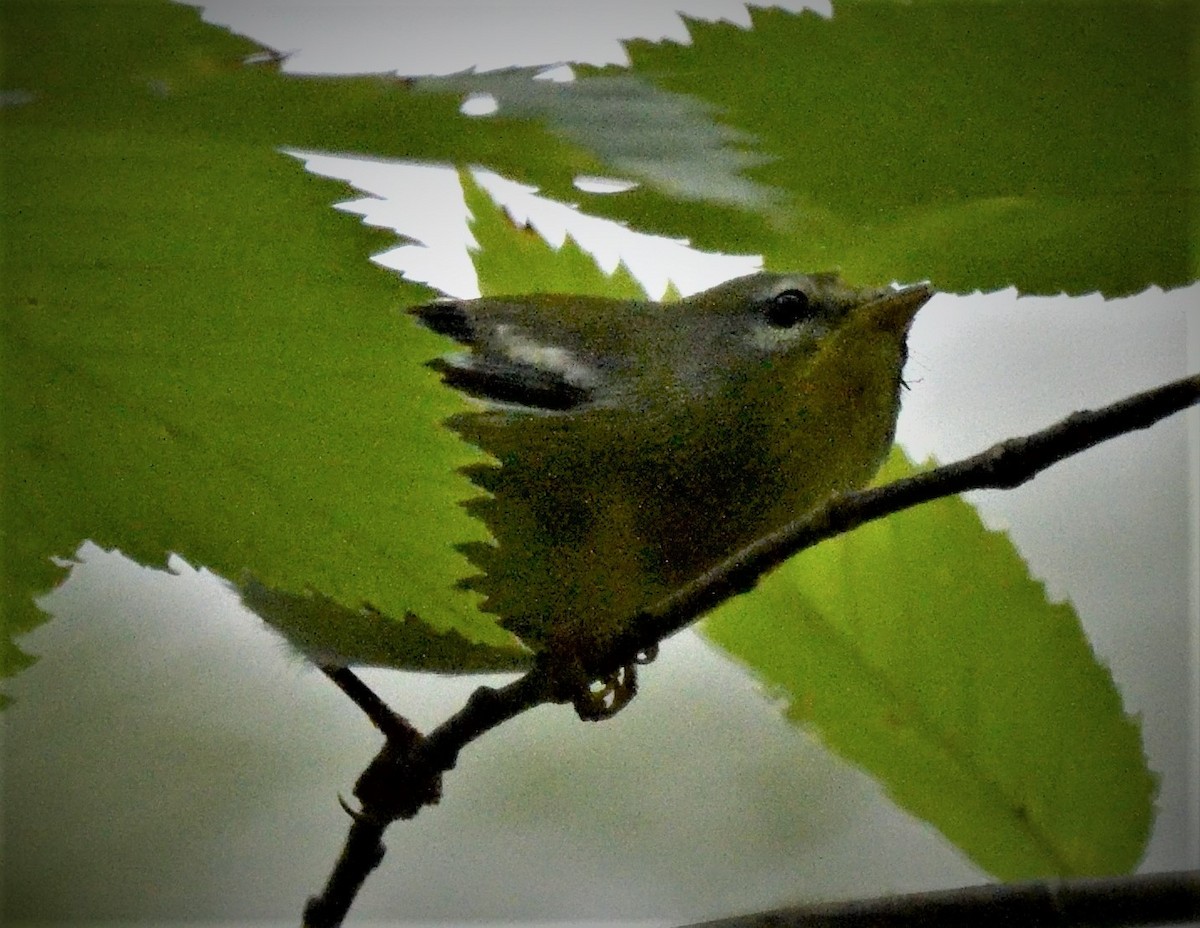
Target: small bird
<point>637,444</point>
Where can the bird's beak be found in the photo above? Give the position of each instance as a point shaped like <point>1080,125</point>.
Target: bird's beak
<point>894,310</point>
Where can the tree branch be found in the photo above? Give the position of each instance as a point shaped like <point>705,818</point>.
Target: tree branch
<point>1144,899</point>
<point>1005,465</point>
<point>406,774</point>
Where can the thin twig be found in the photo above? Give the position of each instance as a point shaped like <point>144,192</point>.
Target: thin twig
<point>393,726</point>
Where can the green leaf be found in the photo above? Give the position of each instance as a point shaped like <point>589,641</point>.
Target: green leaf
<point>329,634</point>
<point>920,648</point>
<point>198,356</point>
<point>1047,146</point>
<point>515,260</point>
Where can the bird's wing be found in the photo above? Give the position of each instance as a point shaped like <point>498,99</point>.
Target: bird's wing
<point>507,363</point>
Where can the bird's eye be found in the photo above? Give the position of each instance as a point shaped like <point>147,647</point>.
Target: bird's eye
<point>787,308</point>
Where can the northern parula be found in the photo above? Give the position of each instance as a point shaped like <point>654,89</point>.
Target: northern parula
<point>637,444</point>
